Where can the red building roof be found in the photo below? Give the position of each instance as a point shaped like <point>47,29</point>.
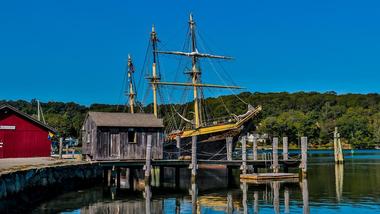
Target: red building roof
<point>26,116</point>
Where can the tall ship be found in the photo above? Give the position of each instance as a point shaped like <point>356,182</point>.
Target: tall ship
<point>192,119</point>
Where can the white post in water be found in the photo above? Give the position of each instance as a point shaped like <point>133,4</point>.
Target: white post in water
<point>275,155</point>
<point>338,153</point>
<point>244,154</point>
<point>60,147</point>
<point>148,158</point>
<point>303,165</point>
<point>255,148</point>
<point>229,147</point>
<point>244,188</point>
<point>194,165</point>
<point>178,141</point>
<point>285,148</point>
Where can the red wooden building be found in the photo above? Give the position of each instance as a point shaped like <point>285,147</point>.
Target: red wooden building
<point>22,135</point>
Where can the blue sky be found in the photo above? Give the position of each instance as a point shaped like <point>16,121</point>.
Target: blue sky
<point>77,50</point>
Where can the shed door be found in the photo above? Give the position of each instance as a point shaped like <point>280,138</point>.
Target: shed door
<point>2,144</point>
<point>115,145</point>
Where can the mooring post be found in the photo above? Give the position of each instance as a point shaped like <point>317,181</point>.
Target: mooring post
<point>194,198</point>
<point>254,140</point>
<point>303,165</point>
<point>285,148</point>
<point>244,155</point>
<point>178,141</point>
<point>148,158</point>
<point>60,147</point>
<point>67,149</point>
<point>285,152</point>
<point>338,152</point>
<point>229,147</point>
<point>194,164</point>
<point>275,155</point>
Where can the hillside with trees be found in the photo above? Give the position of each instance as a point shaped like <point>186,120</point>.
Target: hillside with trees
<point>309,114</point>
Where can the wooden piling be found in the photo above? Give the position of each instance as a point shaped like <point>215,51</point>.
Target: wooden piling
<point>303,165</point>
<point>194,198</point>
<point>148,158</point>
<point>60,147</point>
<point>148,195</point>
<point>194,164</point>
<point>118,171</point>
<point>244,155</point>
<point>178,142</point>
<point>275,165</point>
<point>131,178</point>
<point>285,148</point>
<point>254,148</point>
<point>229,147</point>
<point>338,152</point>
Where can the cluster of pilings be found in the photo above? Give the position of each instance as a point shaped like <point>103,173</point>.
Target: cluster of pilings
<point>275,166</point>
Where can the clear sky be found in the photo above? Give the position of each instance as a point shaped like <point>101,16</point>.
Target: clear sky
<point>76,50</point>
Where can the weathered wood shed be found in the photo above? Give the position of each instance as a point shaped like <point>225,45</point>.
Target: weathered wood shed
<point>110,136</point>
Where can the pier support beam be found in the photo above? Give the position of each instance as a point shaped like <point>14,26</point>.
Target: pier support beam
<point>229,147</point>
<point>275,166</point>
<point>177,177</point>
<point>148,158</point>
<point>194,163</point>
<point>303,165</point>
<point>244,155</point>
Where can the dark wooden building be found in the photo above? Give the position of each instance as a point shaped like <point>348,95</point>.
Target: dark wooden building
<point>22,135</point>
<point>123,136</point>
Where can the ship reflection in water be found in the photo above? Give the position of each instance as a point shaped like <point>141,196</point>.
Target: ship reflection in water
<point>212,194</point>
<point>350,188</point>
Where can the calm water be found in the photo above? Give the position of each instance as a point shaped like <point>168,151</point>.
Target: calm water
<point>352,188</point>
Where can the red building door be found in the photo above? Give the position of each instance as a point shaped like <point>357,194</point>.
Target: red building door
<point>2,142</point>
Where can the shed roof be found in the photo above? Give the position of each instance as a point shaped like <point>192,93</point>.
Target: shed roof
<point>116,119</point>
<point>28,117</point>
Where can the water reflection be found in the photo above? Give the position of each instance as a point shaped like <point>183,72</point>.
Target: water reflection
<point>320,193</point>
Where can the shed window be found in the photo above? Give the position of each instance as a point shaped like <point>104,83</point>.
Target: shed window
<point>132,136</point>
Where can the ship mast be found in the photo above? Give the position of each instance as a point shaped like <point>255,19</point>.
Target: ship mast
<point>195,72</point>
<point>131,93</point>
<point>155,78</point>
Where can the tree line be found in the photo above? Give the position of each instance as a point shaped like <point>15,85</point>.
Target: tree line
<point>310,114</point>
